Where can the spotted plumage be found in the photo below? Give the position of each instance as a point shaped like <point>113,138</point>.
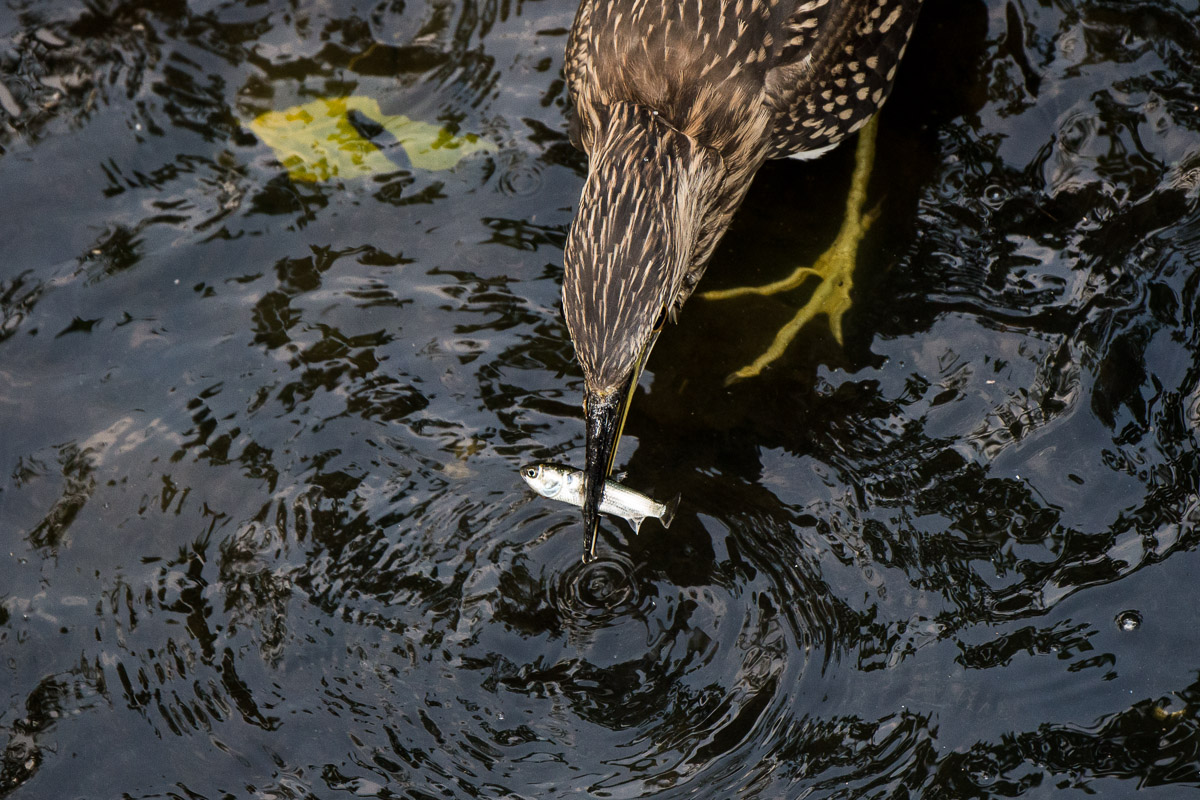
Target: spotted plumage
<point>677,104</point>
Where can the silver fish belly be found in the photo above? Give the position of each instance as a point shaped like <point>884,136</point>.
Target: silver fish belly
<point>565,484</point>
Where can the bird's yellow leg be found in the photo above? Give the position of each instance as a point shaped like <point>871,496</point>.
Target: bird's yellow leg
<point>834,268</point>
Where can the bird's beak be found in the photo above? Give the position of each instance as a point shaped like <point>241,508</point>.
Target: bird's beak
<point>605,419</point>
<point>605,415</point>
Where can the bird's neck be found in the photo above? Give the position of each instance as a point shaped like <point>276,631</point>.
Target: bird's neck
<point>710,178</point>
<point>643,210</point>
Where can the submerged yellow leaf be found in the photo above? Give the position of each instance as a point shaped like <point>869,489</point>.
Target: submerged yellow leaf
<point>317,141</point>
<point>431,147</point>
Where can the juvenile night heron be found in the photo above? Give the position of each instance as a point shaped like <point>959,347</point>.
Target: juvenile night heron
<point>677,104</point>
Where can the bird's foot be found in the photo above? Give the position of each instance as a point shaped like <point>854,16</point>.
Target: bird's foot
<point>834,268</point>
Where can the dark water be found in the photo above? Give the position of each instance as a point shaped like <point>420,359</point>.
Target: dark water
<point>263,534</point>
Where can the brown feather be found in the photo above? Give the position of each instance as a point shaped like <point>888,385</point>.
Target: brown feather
<point>678,103</point>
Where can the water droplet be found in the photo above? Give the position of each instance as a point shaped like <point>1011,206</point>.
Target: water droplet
<point>1129,620</point>
<point>521,180</point>
<point>983,777</point>
<point>994,195</point>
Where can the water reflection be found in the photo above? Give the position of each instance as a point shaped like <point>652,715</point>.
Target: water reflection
<point>261,435</point>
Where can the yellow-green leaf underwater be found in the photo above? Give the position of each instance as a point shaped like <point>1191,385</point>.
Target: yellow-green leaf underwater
<point>317,141</point>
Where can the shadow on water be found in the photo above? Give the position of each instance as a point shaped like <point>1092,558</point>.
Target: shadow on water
<point>260,438</point>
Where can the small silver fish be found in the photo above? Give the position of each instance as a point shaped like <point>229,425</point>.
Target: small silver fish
<point>563,483</point>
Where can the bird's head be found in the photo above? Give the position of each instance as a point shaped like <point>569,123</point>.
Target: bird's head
<point>643,207</point>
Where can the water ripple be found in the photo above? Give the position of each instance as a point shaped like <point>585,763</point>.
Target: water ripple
<point>597,593</point>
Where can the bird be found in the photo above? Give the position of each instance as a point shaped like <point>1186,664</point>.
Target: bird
<point>677,104</point>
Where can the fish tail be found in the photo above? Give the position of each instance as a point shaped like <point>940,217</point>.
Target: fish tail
<point>669,511</point>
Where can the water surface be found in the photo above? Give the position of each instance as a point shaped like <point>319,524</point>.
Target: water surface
<point>263,530</point>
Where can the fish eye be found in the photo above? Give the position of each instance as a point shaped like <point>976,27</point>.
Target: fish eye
<point>531,472</point>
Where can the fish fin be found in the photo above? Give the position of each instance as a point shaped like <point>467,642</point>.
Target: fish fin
<point>636,522</point>
<point>669,511</point>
